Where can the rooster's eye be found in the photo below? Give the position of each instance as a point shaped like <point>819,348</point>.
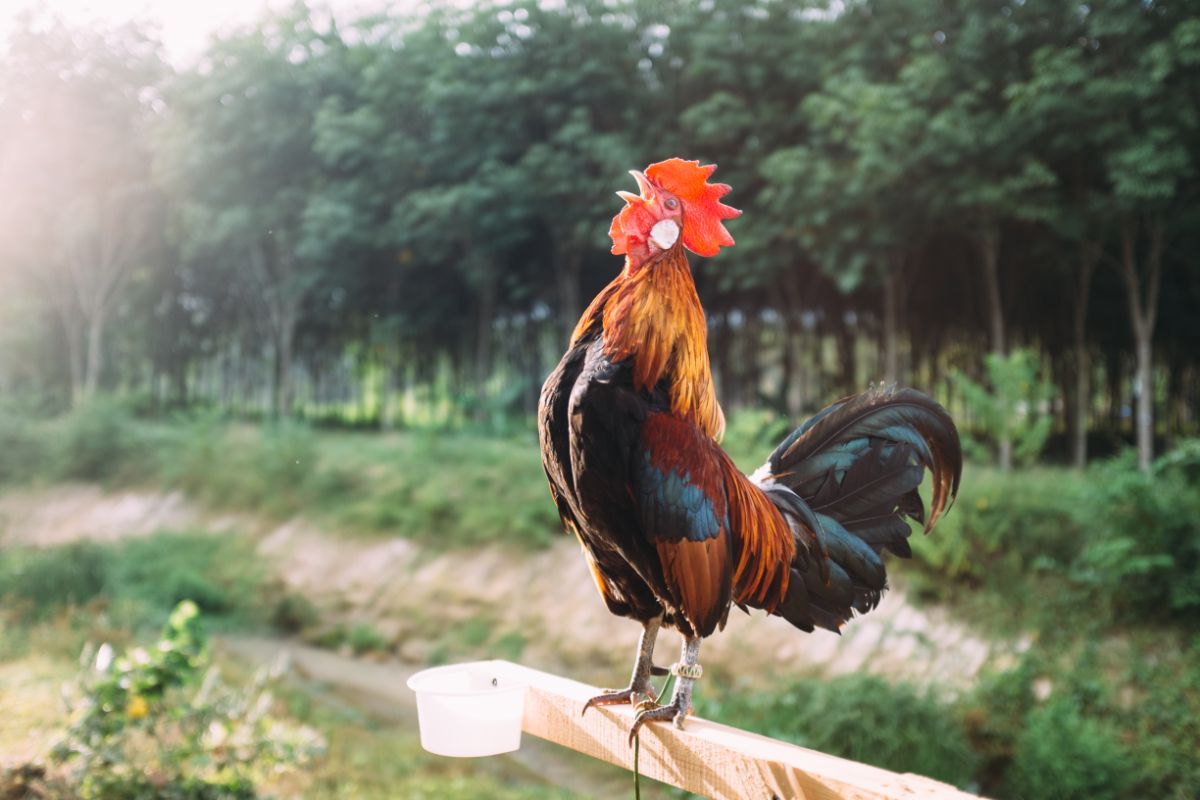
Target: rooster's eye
<point>672,203</point>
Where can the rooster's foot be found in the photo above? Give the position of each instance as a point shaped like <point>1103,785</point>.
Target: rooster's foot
<point>676,711</point>
<point>633,695</point>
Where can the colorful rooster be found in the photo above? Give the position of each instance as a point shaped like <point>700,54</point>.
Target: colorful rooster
<point>672,532</point>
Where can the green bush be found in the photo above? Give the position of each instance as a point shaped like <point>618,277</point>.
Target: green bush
<point>158,722</point>
<point>41,582</point>
<point>100,442</point>
<point>221,574</point>
<point>24,449</point>
<point>294,613</point>
<point>1142,556</point>
<point>860,717</point>
<point>1162,724</point>
<point>144,577</point>
<point>1011,406</point>
<point>1099,548</point>
<point>365,638</point>
<point>1061,755</point>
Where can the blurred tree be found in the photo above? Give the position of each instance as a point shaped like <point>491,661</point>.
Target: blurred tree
<point>400,215</point>
<point>76,203</point>
<point>238,149</point>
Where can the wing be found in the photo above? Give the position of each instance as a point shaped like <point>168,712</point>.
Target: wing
<point>679,485</point>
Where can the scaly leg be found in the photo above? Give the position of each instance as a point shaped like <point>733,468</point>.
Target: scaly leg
<point>687,672</point>
<point>639,688</point>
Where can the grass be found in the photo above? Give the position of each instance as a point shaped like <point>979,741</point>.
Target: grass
<point>443,488</point>
<point>1101,569</point>
<point>87,590</point>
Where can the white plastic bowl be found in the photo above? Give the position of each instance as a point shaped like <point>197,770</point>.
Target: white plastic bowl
<point>468,710</point>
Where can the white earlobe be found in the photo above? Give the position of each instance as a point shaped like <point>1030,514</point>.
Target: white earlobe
<point>665,233</point>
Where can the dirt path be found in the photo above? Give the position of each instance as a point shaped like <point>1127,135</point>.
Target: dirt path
<point>543,603</point>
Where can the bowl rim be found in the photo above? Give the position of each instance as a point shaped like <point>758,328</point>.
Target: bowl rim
<point>419,681</point>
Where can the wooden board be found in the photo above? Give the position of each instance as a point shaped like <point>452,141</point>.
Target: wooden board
<point>708,758</point>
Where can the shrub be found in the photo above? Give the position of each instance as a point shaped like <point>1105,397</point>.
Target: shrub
<point>364,638</point>
<point>41,582</point>
<point>100,442</point>
<point>158,722</point>
<point>858,717</point>
<point>294,613</point>
<point>1142,558</point>
<point>24,449</point>
<point>1163,723</point>
<point>1012,405</point>
<point>221,574</point>
<point>1061,755</point>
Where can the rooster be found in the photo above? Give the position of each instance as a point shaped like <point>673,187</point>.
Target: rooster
<point>673,533</point>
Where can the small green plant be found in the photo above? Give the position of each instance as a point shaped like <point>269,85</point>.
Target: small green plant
<point>294,613</point>
<point>158,722</point>
<point>364,638</point>
<point>1012,404</point>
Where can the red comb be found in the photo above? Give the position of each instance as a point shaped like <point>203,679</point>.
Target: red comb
<point>703,232</point>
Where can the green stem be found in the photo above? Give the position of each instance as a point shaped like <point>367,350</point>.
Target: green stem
<point>637,741</point>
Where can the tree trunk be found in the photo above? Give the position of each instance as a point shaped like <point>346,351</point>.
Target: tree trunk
<point>989,244</point>
<point>1142,313</point>
<point>1089,252</point>
<point>847,368</point>
<point>891,356</point>
<point>73,333</point>
<point>566,277</point>
<point>485,318</point>
<point>281,400</point>
<point>95,353</point>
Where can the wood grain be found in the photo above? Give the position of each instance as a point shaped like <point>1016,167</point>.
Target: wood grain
<point>707,758</point>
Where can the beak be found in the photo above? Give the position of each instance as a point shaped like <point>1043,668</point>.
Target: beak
<point>643,182</point>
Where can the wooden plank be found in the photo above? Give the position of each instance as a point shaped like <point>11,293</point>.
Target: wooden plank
<point>708,758</point>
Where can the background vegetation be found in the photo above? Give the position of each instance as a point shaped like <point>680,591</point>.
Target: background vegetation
<point>393,220</point>
<point>321,271</point>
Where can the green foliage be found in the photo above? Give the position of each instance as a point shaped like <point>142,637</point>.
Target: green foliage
<point>750,436</point>
<point>140,579</point>
<point>858,717</point>
<point>221,574</point>
<point>365,638</point>
<point>41,582</point>
<point>1013,406</point>
<point>1142,557</point>
<point>294,613</point>
<point>1104,547</point>
<point>1163,724</point>
<point>100,442</point>
<point>24,451</point>
<point>157,723</point>
<point>1062,754</point>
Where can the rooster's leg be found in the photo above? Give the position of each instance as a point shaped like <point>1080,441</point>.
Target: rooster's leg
<point>639,688</point>
<point>686,673</point>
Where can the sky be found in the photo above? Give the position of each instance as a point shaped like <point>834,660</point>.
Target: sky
<point>186,25</point>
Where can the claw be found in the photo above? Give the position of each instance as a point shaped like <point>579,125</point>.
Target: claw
<point>616,697</point>
<point>657,713</point>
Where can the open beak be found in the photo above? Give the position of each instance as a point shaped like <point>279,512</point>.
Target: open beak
<point>644,186</point>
